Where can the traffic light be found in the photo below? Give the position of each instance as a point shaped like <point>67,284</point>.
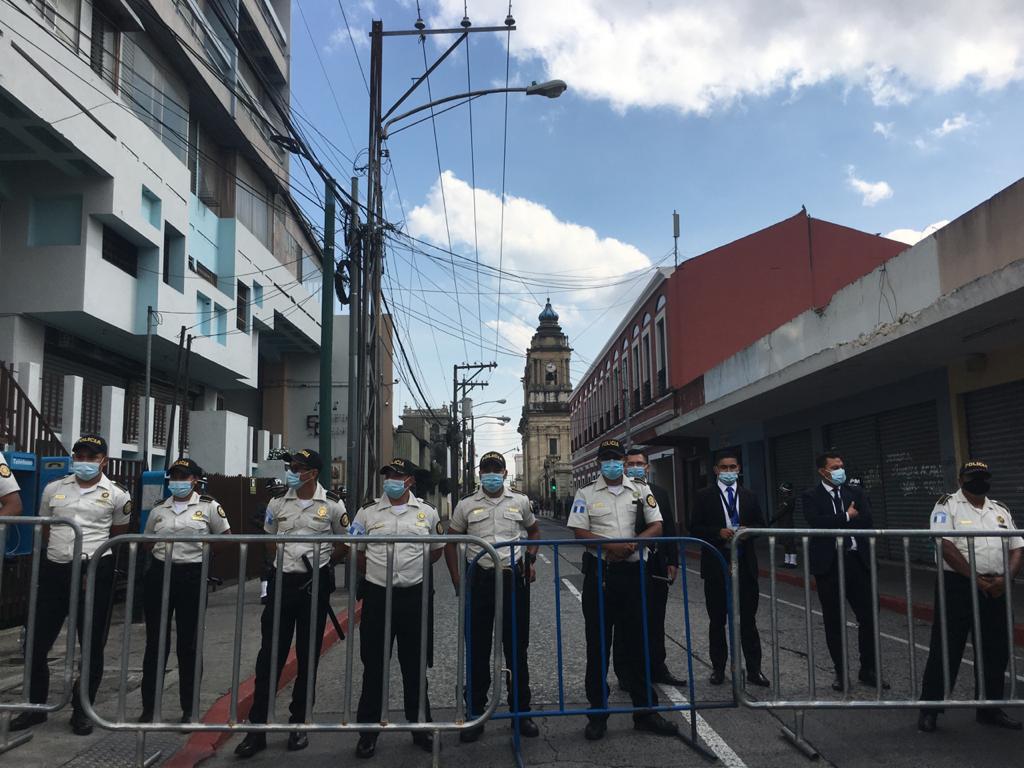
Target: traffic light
<point>554,486</point>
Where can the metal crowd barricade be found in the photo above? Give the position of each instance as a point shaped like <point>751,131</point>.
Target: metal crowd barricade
<point>8,707</point>
<point>775,700</point>
<point>691,704</point>
<point>122,721</point>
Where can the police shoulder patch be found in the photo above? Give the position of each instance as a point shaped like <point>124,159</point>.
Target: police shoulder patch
<point>333,496</point>
<point>344,520</point>
<point>439,528</point>
<point>939,517</point>
<point>221,512</point>
<point>128,507</point>
<point>651,501</point>
<point>5,471</point>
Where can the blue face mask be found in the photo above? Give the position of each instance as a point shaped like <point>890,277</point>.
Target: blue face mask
<point>729,478</point>
<point>838,476</point>
<point>85,470</point>
<point>394,488</point>
<point>637,473</point>
<point>180,488</point>
<point>612,469</point>
<point>292,479</point>
<point>492,482</point>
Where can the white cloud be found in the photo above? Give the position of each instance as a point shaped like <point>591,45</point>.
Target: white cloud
<point>883,129</point>
<point>517,333</point>
<point>697,57</point>
<point>913,236</point>
<point>952,125</point>
<point>871,192</point>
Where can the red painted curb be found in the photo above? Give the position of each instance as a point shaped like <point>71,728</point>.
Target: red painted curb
<point>893,603</point>
<point>201,746</point>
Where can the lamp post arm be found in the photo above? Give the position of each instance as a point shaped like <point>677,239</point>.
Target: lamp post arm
<point>424,76</point>
<point>438,102</point>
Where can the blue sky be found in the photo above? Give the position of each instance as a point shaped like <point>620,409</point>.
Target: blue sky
<point>735,113</point>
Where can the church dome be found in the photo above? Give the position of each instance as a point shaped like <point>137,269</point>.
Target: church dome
<point>548,314</point>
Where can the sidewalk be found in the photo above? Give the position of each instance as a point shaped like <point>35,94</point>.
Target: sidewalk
<point>53,743</point>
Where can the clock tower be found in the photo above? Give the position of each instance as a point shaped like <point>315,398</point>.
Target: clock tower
<point>544,425</point>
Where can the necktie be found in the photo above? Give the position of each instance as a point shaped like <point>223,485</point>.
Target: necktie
<point>837,501</point>
<point>734,515</point>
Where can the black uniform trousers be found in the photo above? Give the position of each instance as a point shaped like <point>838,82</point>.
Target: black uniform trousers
<point>480,601</point>
<point>405,627</point>
<point>51,611</point>
<point>183,607</point>
<point>715,600</point>
<point>296,601</point>
<point>995,647</point>
<point>657,605</point>
<point>623,613</point>
<point>858,595</point>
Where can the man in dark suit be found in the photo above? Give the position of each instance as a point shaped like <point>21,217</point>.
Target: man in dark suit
<point>662,568</point>
<point>832,503</point>
<point>719,511</point>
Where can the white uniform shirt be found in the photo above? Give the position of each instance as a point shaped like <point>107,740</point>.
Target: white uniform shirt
<point>603,512</point>
<point>289,515</point>
<point>956,513</point>
<point>723,489</point>
<point>382,518</point>
<point>96,509</point>
<point>7,482</point>
<point>504,518</point>
<point>195,516</point>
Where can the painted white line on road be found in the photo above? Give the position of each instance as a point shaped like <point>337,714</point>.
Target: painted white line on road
<point>544,557</point>
<point>715,742</point>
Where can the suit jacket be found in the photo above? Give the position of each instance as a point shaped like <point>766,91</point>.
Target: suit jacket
<point>664,554</point>
<point>708,520</point>
<point>820,511</point>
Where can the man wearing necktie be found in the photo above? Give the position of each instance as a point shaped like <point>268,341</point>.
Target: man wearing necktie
<point>832,503</point>
<point>719,511</point>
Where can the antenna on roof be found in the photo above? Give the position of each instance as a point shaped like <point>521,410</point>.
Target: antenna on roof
<point>675,237</point>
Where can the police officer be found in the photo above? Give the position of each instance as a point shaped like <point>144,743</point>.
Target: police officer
<point>496,514</point>
<point>304,509</point>
<point>397,513</point>
<point>784,519</point>
<point>184,513</point>
<point>608,508</point>
<point>662,568</point>
<point>10,493</point>
<point>970,509</point>
<point>102,508</point>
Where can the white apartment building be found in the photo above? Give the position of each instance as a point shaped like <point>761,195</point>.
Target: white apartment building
<point>137,170</point>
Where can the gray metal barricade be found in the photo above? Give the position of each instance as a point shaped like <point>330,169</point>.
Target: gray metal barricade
<point>812,700</point>
<point>8,707</point>
<point>121,720</point>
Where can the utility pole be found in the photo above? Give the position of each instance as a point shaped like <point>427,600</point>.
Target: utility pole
<point>145,400</point>
<point>675,238</point>
<point>459,390</point>
<point>327,331</point>
<point>353,433</point>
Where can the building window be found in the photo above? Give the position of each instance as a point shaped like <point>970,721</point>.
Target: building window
<point>635,378</point>
<point>152,96</point>
<point>221,316</point>
<point>202,271</point>
<point>103,48</point>
<point>253,211</point>
<point>204,313</point>
<point>241,306</point>
<point>120,252</point>
<point>552,446</point>
<point>55,221</point>
<point>645,345</point>
<point>257,294</point>
<point>662,356</point>
<point>62,17</point>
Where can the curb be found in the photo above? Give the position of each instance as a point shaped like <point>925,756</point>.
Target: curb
<point>201,746</point>
<point>893,603</point>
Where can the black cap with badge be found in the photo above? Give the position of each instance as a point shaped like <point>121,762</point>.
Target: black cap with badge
<point>185,467</point>
<point>304,457</point>
<point>90,444</point>
<point>611,449</point>
<point>492,459</point>
<point>975,467</point>
<point>399,467</point>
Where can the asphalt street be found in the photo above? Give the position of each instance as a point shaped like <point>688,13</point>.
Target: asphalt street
<point>738,735</point>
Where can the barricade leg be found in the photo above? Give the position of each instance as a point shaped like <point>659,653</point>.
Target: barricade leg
<point>692,739</point>
<point>795,736</point>
<point>6,742</point>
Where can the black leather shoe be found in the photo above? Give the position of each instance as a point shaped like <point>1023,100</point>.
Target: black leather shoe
<point>718,677</point>
<point>424,741</point>
<point>469,735</point>
<point>367,745</point>
<point>80,724</point>
<point>656,724</point>
<point>186,717</point>
<point>758,679</point>
<point>997,718</point>
<point>528,728</point>
<point>837,682</point>
<point>27,720</point>
<point>667,678</point>
<point>926,721</point>
<point>146,716</point>
<point>251,744</point>
<point>595,730</point>
<point>297,740</point>
<point>867,677</point>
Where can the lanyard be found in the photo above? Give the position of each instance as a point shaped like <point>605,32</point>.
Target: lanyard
<point>731,509</point>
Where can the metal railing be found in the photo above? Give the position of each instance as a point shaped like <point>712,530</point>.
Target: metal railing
<point>120,720</point>
<point>808,697</point>
<point>23,704</point>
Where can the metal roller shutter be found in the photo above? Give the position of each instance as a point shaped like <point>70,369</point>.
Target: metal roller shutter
<point>792,461</point>
<point>912,476</point>
<point>995,434</point>
<point>857,441</point>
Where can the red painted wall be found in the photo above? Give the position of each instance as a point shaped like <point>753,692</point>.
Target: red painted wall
<point>724,300</point>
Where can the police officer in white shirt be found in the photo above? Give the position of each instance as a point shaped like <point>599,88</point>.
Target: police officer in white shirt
<point>102,508</point>
<point>614,507</point>
<point>397,513</point>
<point>304,509</point>
<point>970,509</point>
<point>10,493</point>
<point>184,513</point>
<point>496,514</point>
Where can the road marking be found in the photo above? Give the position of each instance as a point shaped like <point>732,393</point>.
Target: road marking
<point>544,557</point>
<point>710,736</point>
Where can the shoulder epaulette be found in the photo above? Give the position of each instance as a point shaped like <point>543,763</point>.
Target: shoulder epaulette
<point>943,499</point>
<point>204,497</point>
<point>1000,504</point>
<point>277,493</point>
<point>118,485</point>
<point>333,496</point>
